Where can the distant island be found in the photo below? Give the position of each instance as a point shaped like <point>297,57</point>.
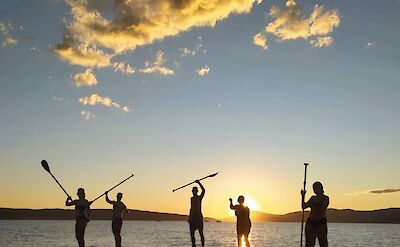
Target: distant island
<point>390,215</point>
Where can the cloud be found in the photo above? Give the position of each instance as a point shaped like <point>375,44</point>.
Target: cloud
<point>96,99</point>
<point>6,38</point>
<point>124,68</point>
<point>291,23</point>
<point>369,45</point>
<point>157,66</point>
<point>192,52</point>
<point>260,40</point>
<point>85,79</point>
<point>203,71</point>
<point>87,115</point>
<point>322,41</point>
<point>95,32</point>
<point>384,191</point>
<point>83,55</point>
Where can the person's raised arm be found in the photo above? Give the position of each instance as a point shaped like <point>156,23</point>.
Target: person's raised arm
<point>69,201</point>
<point>108,199</point>
<point>203,190</point>
<point>231,204</point>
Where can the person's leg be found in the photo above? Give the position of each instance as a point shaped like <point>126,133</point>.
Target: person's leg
<point>322,233</point>
<point>239,238</point>
<point>310,235</point>
<point>246,238</point>
<point>116,227</point>
<point>192,231</point>
<point>80,232</point>
<point>201,236</point>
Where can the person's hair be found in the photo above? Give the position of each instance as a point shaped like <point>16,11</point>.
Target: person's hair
<point>81,190</point>
<point>240,198</point>
<point>319,186</point>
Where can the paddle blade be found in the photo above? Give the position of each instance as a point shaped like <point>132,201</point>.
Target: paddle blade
<point>213,175</point>
<point>45,165</point>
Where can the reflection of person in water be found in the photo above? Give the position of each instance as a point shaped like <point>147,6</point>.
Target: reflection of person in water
<point>316,223</point>
<point>195,215</point>
<point>82,209</point>
<point>119,209</point>
<point>243,223</point>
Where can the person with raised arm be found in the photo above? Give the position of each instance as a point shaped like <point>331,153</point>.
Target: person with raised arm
<point>195,215</point>
<point>82,212</point>
<point>119,210</point>
<point>243,223</point>
<point>316,226</point>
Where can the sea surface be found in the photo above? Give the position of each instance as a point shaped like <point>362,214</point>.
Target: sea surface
<point>25,233</point>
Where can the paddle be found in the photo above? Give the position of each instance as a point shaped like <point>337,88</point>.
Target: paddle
<point>123,181</point>
<point>209,176</point>
<point>302,215</point>
<point>45,166</point>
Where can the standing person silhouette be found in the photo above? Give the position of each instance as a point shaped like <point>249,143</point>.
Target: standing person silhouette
<point>82,211</point>
<point>195,215</point>
<point>119,209</point>
<point>243,223</point>
<point>316,223</point>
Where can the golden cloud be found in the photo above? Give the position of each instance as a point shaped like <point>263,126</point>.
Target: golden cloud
<point>291,23</point>
<point>203,70</point>
<point>85,79</point>
<point>95,99</point>
<point>157,66</point>
<point>260,40</point>
<point>90,36</point>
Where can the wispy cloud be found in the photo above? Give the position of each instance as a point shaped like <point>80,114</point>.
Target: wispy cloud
<point>157,66</point>
<point>195,50</point>
<point>291,22</point>
<point>322,41</point>
<point>96,99</point>
<point>92,37</point>
<point>6,37</point>
<point>87,115</point>
<point>85,79</point>
<point>369,45</point>
<point>384,191</point>
<point>374,191</point>
<point>124,68</point>
<point>203,71</point>
<point>260,40</point>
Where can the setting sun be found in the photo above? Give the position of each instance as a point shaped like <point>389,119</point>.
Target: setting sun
<point>252,203</point>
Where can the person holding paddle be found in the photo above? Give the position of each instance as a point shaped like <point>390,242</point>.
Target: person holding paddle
<point>243,223</point>
<point>195,215</point>
<point>82,211</point>
<point>316,225</point>
<point>119,209</point>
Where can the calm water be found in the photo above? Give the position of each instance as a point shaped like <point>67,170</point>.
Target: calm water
<point>158,234</point>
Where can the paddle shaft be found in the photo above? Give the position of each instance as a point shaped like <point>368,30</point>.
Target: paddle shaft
<point>59,184</point>
<point>113,188</point>
<point>302,215</point>
<point>192,182</point>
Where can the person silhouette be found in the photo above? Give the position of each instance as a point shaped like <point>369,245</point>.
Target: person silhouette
<point>243,223</point>
<point>316,225</point>
<point>119,209</point>
<point>82,212</point>
<point>195,215</point>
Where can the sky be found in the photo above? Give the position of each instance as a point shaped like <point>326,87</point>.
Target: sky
<point>172,91</point>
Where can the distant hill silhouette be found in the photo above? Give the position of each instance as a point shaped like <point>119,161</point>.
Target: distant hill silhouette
<point>390,215</point>
<point>95,214</point>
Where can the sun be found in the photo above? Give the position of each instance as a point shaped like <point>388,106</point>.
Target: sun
<point>252,203</point>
